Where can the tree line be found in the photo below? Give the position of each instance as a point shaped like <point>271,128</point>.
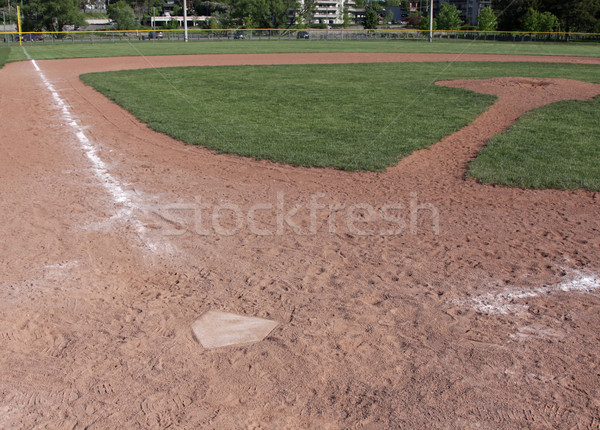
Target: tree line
<point>507,15</point>
<point>571,16</point>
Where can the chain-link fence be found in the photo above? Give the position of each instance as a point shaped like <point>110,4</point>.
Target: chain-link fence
<point>156,36</point>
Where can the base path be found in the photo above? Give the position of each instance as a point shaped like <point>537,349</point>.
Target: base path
<point>410,298</point>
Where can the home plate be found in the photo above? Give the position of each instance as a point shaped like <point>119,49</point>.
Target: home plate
<point>214,329</point>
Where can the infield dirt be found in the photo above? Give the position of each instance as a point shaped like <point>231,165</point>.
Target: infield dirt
<point>469,306</point>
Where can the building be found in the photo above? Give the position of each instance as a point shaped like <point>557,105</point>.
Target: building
<point>332,11</point>
<point>469,9</point>
<point>400,16</point>
<point>164,21</point>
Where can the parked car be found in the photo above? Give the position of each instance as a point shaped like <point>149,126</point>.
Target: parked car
<point>155,35</point>
<point>239,35</point>
<point>31,37</point>
<point>302,35</point>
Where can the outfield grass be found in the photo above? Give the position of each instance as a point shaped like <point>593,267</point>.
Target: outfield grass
<point>105,49</point>
<point>556,146</point>
<point>4,54</point>
<point>348,116</point>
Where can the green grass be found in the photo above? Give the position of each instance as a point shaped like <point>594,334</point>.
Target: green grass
<point>105,49</point>
<point>4,54</point>
<point>349,116</point>
<point>556,146</point>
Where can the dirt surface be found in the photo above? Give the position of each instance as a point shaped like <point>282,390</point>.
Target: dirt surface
<point>411,298</point>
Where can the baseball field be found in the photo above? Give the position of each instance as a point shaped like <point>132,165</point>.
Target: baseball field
<point>420,222</point>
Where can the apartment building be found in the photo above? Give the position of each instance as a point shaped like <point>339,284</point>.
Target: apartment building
<point>332,11</point>
<point>469,9</point>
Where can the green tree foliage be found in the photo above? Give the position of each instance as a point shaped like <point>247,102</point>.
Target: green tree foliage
<point>265,13</point>
<point>449,17</point>
<point>172,24</point>
<point>511,12</point>
<point>10,15</point>
<point>306,11</point>
<point>155,7</point>
<point>486,20</point>
<point>575,15</point>
<point>123,16</point>
<point>51,15</point>
<point>346,17</point>
<point>414,19</point>
<point>531,20</point>
<point>209,8</point>
<point>404,4</point>
<point>371,19</point>
<point>247,22</point>
<point>547,22</point>
<point>389,17</point>
<point>572,15</point>
<point>425,23</point>
<point>539,21</point>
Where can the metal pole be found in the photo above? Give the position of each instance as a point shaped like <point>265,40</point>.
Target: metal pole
<point>19,25</point>
<point>431,21</point>
<point>185,31</point>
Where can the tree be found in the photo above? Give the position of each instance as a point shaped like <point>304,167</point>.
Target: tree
<point>10,14</point>
<point>572,15</point>
<point>577,15</point>
<point>510,13</point>
<point>486,20</point>
<point>389,17</point>
<point>51,15</point>
<point>547,22</point>
<point>172,24</point>
<point>123,16</point>
<point>371,19</point>
<point>265,13</point>
<point>247,22</point>
<point>449,17</point>
<point>403,4</point>
<point>531,20</point>
<point>208,8</point>
<point>414,19</point>
<point>307,11</point>
<point>346,17</point>
<point>538,21</point>
<point>425,23</point>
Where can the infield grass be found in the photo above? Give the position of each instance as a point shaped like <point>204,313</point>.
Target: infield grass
<point>347,116</point>
<point>46,51</point>
<point>555,146</point>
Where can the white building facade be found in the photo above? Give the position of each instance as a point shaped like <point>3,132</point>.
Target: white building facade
<point>332,11</point>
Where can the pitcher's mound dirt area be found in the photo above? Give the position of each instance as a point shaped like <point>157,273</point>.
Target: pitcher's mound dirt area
<point>469,306</point>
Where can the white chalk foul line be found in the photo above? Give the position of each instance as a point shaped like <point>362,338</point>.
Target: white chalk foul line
<point>114,187</point>
<point>507,300</point>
